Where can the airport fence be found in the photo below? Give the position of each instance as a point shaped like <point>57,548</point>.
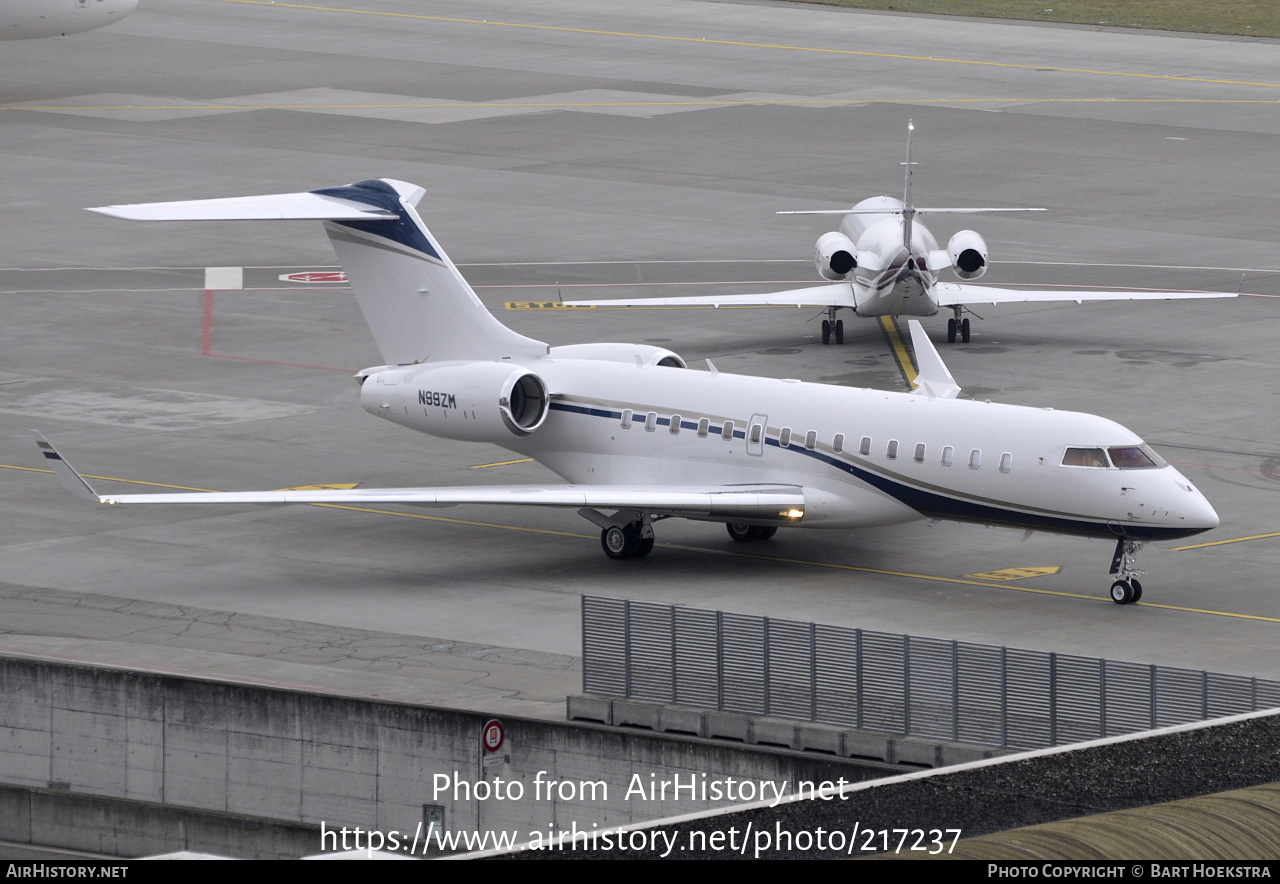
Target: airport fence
<point>902,684</point>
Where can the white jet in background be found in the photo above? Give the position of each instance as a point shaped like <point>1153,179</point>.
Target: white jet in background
<point>640,437</point>
<point>29,19</point>
<point>887,264</point>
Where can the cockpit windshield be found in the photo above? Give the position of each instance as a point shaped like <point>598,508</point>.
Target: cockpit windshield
<point>1121,457</point>
<point>1141,457</point>
<point>1085,457</point>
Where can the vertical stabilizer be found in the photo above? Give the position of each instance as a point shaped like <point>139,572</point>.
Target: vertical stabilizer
<point>908,209</point>
<point>415,301</point>
<point>417,304</point>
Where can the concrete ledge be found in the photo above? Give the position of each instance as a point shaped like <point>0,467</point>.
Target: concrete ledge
<point>629,712</point>
<point>582,708</point>
<point>782,732</point>
<point>120,827</point>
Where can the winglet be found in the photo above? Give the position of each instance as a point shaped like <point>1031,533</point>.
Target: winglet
<point>66,473</point>
<point>933,378</point>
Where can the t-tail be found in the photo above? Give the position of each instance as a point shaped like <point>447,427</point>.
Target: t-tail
<point>417,304</point>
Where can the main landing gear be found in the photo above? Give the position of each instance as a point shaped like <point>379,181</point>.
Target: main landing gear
<point>832,326</point>
<point>958,325</point>
<point>633,540</point>
<point>750,533</point>
<point>1126,590</point>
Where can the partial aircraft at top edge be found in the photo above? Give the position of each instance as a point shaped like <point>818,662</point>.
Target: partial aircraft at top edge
<point>886,264</point>
<point>32,19</point>
<point>640,437</point>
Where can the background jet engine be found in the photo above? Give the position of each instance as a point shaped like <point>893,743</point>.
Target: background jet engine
<point>834,256</point>
<point>605,352</point>
<point>470,401</point>
<point>968,253</point>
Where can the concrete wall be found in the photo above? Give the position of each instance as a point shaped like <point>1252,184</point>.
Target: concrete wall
<point>169,742</point>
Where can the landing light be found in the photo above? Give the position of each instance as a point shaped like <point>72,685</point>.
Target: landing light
<point>792,514</point>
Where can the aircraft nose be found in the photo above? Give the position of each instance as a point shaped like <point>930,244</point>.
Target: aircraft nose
<point>1197,513</point>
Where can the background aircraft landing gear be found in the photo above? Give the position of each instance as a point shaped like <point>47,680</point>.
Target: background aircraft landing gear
<point>1126,589</point>
<point>749,533</point>
<point>832,326</point>
<point>629,541</point>
<point>957,326</point>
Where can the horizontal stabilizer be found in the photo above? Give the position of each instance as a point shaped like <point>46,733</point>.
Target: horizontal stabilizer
<point>951,294</point>
<point>900,210</point>
<point>933,378</point>
<point>269,207</point>
<point>837,295</point>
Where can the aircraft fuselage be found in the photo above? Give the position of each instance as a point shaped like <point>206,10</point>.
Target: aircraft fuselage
<point>864,457</point>
<point>890,279</point>
<point>30,19</point>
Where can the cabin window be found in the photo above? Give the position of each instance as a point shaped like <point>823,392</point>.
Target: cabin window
<point>784,437</point>
<point>1006,462</point>
<point>891,450</point>
<point>1085,457</point>
<point>811,440</point>
<point>704,426</point>
<point>837,444</point>
<point>864,446</point>
<point>650,421</point>
<point>756,431</point>
<point>975,459</point>
<point>726,432</point>
<point>1142,457</point>
<point>626,418</point>
<point>948,456</point>
<point>919,458</point>
<point>675,424</point>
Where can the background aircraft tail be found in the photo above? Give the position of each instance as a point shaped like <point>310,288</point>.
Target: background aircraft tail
<point>417,304</point>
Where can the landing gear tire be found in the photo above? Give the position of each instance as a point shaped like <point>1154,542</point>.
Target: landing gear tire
<point>839,331</point>
<point>622,542</point>
<point>743,533</point>
<point>644,548</point>
<point>766,533</point>
<point>951,331</point>
<point>1137,590</point>
<point>826,332</point>
<point>964,330</point>
<point>1124,593</point>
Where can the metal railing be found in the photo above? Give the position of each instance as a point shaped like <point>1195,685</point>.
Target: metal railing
<point>903,684</point>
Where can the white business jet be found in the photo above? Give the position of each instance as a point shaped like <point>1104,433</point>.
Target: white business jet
<point>640,437</point>
<point>29,19</point>
<point>887,264</point>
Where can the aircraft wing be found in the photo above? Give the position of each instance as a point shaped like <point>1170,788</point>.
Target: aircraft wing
<point>838,294</point>
<point>763,502</point>
<point>949,294</point>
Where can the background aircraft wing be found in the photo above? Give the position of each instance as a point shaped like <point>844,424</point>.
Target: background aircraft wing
<point>764,502</point>
<point>838,294</point>
<point>950,294</point>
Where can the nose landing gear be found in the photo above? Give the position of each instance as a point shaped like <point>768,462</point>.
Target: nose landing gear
<point>1126,589</point>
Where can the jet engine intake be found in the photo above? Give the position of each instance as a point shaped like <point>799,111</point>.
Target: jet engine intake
<point>968,252</point>
<point>469,401</point>
<point>834,256</point>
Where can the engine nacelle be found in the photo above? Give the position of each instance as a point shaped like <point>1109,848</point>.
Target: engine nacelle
<point>620,353</point>
<point>834,254</point>
<point>968,252</point>
<point>470,401</point>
